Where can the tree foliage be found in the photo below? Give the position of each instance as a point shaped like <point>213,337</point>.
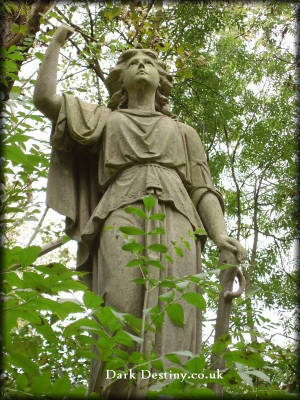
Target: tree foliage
<point>234,72</point>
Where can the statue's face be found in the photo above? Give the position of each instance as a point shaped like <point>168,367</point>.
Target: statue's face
<point>141,70</point>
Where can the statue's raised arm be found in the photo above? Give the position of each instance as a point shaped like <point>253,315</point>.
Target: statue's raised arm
<point>45,97</point>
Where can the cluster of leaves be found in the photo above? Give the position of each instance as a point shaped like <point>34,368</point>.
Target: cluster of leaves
<point>34,349</point>
<point>38,349</point>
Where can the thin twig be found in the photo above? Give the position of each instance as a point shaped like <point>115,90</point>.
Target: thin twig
<point>36,231</point>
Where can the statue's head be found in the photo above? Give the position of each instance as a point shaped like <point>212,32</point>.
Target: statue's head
<point>161,79</point>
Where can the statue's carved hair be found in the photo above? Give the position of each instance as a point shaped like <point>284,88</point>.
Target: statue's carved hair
<point>118,94</point>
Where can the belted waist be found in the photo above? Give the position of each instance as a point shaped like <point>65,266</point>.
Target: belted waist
<point>148,164</point>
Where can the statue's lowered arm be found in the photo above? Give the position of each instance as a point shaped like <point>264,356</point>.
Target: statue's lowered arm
<point>212,216</point>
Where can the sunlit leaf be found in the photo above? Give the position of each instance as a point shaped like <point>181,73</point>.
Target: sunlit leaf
<point>175,313</point>
<point>196,299</point>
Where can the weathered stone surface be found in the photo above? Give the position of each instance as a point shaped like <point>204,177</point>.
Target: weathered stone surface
<point>105,158</point>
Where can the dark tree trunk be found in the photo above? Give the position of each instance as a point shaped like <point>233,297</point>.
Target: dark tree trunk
<point>27,14</point>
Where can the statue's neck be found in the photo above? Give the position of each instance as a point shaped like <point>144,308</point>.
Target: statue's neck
<point>141,100</point>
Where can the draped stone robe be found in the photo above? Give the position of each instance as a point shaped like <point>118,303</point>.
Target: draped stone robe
<point>104,160</point>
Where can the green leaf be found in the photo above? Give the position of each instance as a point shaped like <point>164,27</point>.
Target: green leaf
<point>11,256</point>
<point>201,393</point>
<point>21,361</point>
<point>260,375</point>
<point>92,300</point>
<point>123,338</point>
<point>157,317</point>
<point>121,354</point>
<point>149,202</point>
<point>168,296</point>
<point>139,281</point>
<point>41,384</point>
<point>13,280</point>
<point>245,378</point>
<point>181,286</point>
<point>175,313</point>
<point>196,364</point>
<point>200,232</point>
<point>105,346</point>
<point>30,315</point>
<point>69,284</point>
<point>134,322</point>
<point>137,211</point>
<point>154,263</point>
<point>15,56</point>
<point>39,55</point>
<point>23,29</point>
<point>36,117</point>
<point>186,244</point>
<point>21,381</point>
<point>246,358</point>
<point>46,331</point>
<point>135,338</point>
<point>158,248</point>
<point>9,66</point>
<point>15,154</point>
<point>29,255</point>
<point>157,217</point>
<point>179,251</point>
<point>224,266</point>
<point>157,231</point>
<point>10,319</point>
<point>84,324</point>
<point>133,247</point>
<point>66,239</point>
<point>157,364</point>
<point>196,299</point>
<point>168,258</point>
<point>136,357</point>
<point>173,358</point>
<point>14,94</point>
<point>131,230</point>
<point>34,281</point>
<point>221,344</point>
<point>61,386</point>
<point>108,228</point>
<point>115,364</point>
<point>134,263</point>
<point>109,319</point>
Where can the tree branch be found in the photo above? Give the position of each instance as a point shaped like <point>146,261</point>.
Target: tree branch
<point>76,27</point>
<point>33,23</point>
<point>238,191</point>
<point>51,246</point>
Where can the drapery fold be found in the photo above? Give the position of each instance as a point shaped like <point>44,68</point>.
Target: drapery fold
<point>92,146</point>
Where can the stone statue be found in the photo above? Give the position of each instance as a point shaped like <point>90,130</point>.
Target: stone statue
<point>106,158</point>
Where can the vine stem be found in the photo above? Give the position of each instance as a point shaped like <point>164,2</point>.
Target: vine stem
<point>142,345</point>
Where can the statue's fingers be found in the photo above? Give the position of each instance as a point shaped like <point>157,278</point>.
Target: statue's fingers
<point>228,246</point>
<point>70,31</point>
<point>242,255</point>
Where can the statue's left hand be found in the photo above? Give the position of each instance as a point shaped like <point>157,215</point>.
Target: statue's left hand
<point>225,242</point>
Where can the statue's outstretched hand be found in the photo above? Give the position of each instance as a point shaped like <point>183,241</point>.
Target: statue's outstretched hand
<point>62,34</point>
<point>225,242</point>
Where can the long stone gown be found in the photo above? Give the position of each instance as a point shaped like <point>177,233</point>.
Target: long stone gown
<point>103,161</point>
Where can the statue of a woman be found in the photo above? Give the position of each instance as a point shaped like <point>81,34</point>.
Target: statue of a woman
<point>105,159</point>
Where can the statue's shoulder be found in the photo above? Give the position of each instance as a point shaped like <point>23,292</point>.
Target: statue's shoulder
<point>74,101</point>
<point>188,131</point>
